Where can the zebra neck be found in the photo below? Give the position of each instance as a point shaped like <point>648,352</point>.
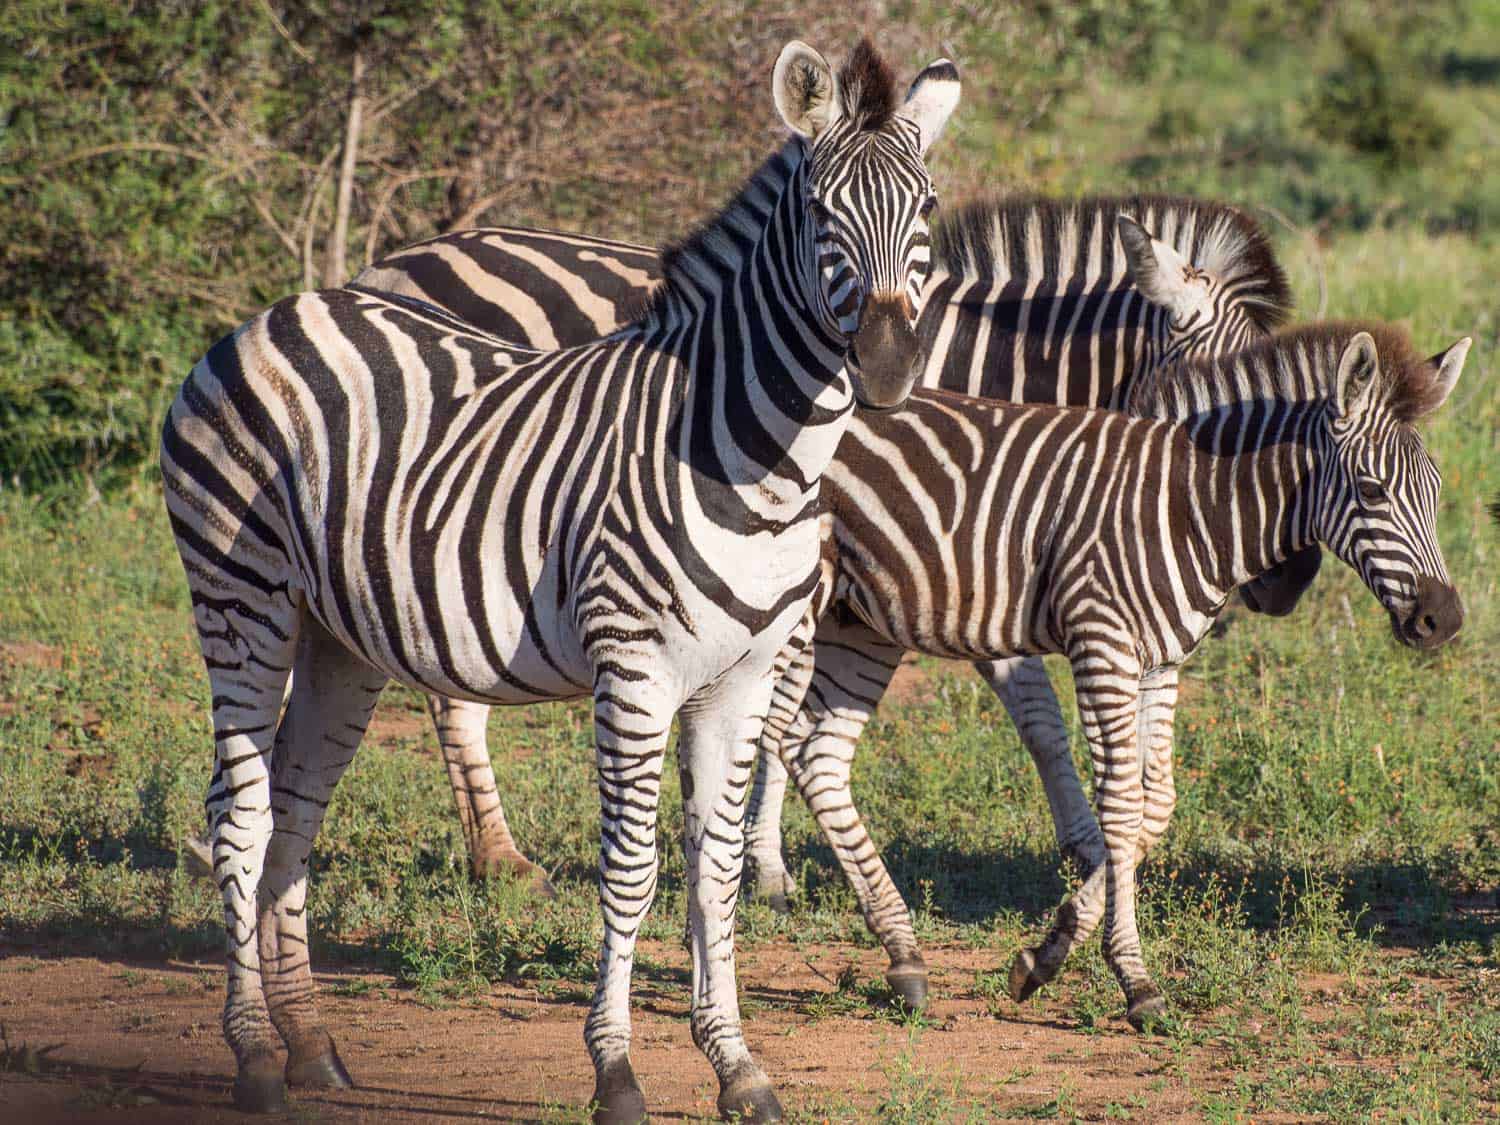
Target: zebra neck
<point>1252,498</point>
<point>767,398</point>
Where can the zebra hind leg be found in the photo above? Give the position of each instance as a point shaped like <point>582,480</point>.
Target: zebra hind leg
<point>492,850</point>
<point>333,695</point>
<point>792,671</point>
<point>248,638</point>
<point>1024,689</point>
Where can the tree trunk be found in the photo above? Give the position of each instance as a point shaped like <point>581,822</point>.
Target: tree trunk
<point>334,268</point>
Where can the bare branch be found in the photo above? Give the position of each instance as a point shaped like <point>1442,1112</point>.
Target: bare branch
<point>301,51</point>
<point>392,186</point>
<point>334,269</point>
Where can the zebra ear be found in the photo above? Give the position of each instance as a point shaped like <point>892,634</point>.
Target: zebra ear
<point>1356,375</point>
<point>931,100</point>
<point>1450,365</point>
<point>1158,271</point>
<point>805,90</point>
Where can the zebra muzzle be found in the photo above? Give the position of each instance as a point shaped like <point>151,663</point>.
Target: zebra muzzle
<point>1434,619</point>
<point>884,352</point>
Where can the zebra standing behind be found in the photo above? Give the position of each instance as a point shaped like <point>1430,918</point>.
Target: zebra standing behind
<point>365,489</point>
<point>1031,299</point>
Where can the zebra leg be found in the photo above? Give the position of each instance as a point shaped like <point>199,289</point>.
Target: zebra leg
<point>1108,685</point>
<point>1023,686</point>
<point>721,727</point>
<point>1158,710</point>
<point>333,695</point>
<point>792,674</point>
<point>492,850</point>
<point>854,666</point>
<point>773,883</point>
<point>631,725</point>
<point>248,638</point>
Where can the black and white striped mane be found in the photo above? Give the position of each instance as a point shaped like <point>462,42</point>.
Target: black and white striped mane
<point>1294,365</point>
<point>1020,236</point>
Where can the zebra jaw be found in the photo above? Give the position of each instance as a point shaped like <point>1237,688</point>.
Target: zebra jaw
<point>884,353</point>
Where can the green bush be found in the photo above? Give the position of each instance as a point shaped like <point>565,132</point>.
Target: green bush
<point>1378,106</point>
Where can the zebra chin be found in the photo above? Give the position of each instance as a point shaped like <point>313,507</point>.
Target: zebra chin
<point>884,354</point>
<point>1433,619</point>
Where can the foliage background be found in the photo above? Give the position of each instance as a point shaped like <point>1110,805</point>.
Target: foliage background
<point>167,169</point>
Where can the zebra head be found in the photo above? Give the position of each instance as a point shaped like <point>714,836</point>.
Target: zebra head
<point>1205,314</point>
<point>869,196</point>
<point>1378,496</point>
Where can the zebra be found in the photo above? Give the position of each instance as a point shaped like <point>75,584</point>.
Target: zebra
<point>365,488</point>
<point>972,530</point>
<point>1031,299</point>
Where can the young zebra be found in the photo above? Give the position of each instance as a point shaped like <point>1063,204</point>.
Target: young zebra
<point>365,489</point>
<point>1030,299</point>
<point>974,530</point>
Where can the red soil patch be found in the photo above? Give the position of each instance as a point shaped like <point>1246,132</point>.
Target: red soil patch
<point>91,1040</point>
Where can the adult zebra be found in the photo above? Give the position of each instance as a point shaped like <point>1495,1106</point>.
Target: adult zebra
<point>1031,300</point>
<point>365,489</point>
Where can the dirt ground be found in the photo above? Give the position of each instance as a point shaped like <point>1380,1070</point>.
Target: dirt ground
<point>90,1040</point>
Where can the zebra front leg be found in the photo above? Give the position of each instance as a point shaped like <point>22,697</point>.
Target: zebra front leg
<point>333,695</point>
<point>854,666</point>
<point>721,729</point>
<point>248,646</point>
<point>492,850</point>
<point>1108,686</point>
<point>631,724</point>
<point>1023,686</point>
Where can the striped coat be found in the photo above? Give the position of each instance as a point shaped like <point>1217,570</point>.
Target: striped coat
<point>363,488</point>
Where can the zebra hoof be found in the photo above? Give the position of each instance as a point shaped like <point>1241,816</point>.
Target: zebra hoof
<point>198,857</point>
<point>749,1099</point>
<point>908,980</point>
<point>1025,976</point>
<point>1147,1007</point>
<point>617,1096</point>
<point>324,1071</point>
<point>259,1086</point>
<point>541,887</point>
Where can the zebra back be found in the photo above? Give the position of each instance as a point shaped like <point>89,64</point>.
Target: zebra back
<point>1031,299</point>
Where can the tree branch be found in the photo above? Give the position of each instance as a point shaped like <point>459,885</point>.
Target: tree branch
<point>334,269</point>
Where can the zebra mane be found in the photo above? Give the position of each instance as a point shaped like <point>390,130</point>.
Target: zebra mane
<point>1022,236</point>
<point>867,88</point>
<point>1295,365</point>
<point>718,245</point>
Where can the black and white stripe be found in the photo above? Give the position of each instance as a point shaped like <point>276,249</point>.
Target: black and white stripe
<point>364,488</point>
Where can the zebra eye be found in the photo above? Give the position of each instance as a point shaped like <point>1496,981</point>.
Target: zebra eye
<point>929,205</point>
<point>1371,492</point>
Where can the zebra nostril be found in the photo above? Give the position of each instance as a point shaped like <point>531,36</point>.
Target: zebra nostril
<point>1428,625</point>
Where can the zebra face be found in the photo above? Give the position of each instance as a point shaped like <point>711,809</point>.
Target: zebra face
<point>1382,499</point>
<point>868,202</point>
